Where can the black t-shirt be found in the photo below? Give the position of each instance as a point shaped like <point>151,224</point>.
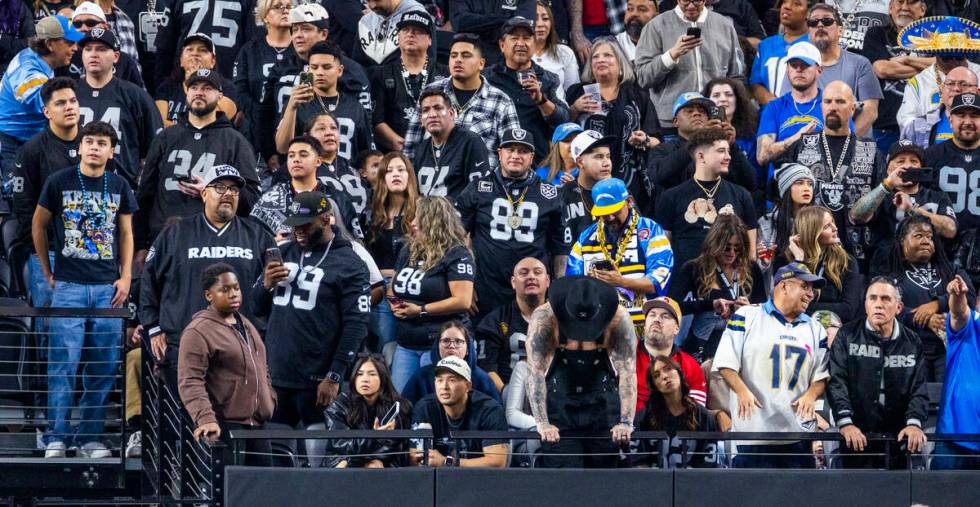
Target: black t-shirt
<point>445,171</point>
<point>385,245</point>
<point>500,339</point>
<point>887,216</point>
<point>881,43</point>
<point>482,414</point>
<point>172,91</point>
<point>958,174</point>
<point>699,453</point>
<point>42,155</point>
<point>86,224</point>
<point>394,103</point>
<point>687,213</point>
<point>353,121</point>
<point>463,96</point>
<point>576,206</point>
<point>421,287</point>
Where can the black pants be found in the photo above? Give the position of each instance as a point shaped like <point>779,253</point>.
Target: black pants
<point>873,457</point>
<point>296,406</point>
<point>258,453</point>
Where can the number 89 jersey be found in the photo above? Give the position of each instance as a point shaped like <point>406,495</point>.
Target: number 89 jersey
<point>413,284</point>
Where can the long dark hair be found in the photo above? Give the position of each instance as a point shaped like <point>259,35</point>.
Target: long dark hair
<point>656,407</point>
<point>783,219</point>
<point>746,120</point>
<point>715,243</point>
<point>359,415</point>
<point>897,262</point>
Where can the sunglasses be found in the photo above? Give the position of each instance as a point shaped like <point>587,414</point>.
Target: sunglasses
<point>91,23</point>
<point>824,22</point>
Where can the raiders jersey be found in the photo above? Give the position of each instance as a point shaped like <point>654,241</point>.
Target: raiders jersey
<point>352,120</point>
<point>505,232</point>
<point>130,110</point>
<point>413,284</point>
<point>958,174</point>
<point>395,94</point>
<point>500,340</point>
<point>40,157</point>
<point>183,150</point>
<point>272,209</point>
<point>252,69</point>
<point>576,206</point>
<point>228,23</point>
<point>170,287</point>
<point>341,178</point>
<point>445,171</point>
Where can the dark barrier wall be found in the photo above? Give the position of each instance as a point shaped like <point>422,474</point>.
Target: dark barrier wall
<point>297,487</point>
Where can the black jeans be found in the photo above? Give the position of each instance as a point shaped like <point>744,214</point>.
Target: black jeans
<point>258,453</point>
<point>295,406</point>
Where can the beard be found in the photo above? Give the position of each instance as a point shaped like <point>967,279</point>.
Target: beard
<point>207,109</point>
<point>224,213</point>
<point>834,122</point>
<point>315,238</point>
<point>634,28</point>
<point>822,44</point>
<point>801,87</point>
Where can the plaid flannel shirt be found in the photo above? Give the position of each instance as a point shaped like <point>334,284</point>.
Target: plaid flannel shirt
<point>616,12</point>
<point>488,113</point>
<point>125,31</point>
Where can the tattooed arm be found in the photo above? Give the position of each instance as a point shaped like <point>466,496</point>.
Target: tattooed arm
<point>864,209</point>
<point>622,352</point>
<point>541,344</point>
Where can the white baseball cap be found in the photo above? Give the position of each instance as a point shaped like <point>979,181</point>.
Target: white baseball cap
<point>455,365</point>
<point>89,8</point>
<point>587,140</point>
<point>805,52</point>
<point>309,13</point>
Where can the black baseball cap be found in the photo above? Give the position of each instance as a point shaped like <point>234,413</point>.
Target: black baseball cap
<point>417,19</point>
<point>516,22</point>
<point>305,207</point>
<point>100,35</point>
<point>906,146</point>
<point>965,101</point>
<point>517,136</point>
<point>198,37</point>
<point>207,75</point>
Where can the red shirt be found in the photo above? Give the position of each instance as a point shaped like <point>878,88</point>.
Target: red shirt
<point>594,13</point>
<point>692,374</point>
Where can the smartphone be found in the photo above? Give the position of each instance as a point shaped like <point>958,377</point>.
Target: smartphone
<point>184,178</point>
<point>918,175</point>
<point>603,265</point>
<point>718,113</point>
<point>694,31</point>
<point>306,78</point>
<point>394,301</point>
<point>391,414</point>
<point>273,255</point>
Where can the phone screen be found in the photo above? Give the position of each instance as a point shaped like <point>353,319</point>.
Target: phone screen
<point>273,255</point>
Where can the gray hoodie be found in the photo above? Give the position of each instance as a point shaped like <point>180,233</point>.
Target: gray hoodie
<point>378,36</point>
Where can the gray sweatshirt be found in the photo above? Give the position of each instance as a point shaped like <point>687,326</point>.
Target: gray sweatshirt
<point>378,36</point>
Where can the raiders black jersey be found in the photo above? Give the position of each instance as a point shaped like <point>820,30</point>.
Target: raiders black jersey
<point>130,110</point>
<point>229,23</point>
<point>170,287</point>
<point>396,93</point>
<point>445,171</point>
<point>576,205</point>
<point>173,93</point>
<point>41,156</point>
<point>958,174</point>
<point>252,69</point>
<point>183,150</point>
<point>505,230</point>
<point>413,284</point>
<point>273,208</point>
<point>352,120</point>
<point>126,69</point>
<point>500,339</point>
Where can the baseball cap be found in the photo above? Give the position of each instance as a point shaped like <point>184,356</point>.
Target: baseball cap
<point>306,207</point>
<point>455,365</point>
<point>965,101</point>
<point>100,35</point>
<point>804,52</point>
<point>89,9</point>
<point>57,27</point>
<point>609,196</point>
<point>204,75</point>
<point>692,99</point>
<point>665,303</point>
<point>517,136</point>
<point>798,271</point>
<point>417,19</point>
<point>516,22</point>
<point>204,38</point>
<point>587,140</point>
<point>223,171</point>
<point>309,13</point>
<point>906,146</point>
<point>563,131</point>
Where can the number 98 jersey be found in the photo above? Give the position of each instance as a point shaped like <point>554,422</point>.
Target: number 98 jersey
<point>413,284</point>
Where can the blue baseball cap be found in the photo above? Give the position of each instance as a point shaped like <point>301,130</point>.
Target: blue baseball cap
<point>563,131</point>
<point>799,271</point>
<point>57,27</point>
<point>692,99</point>
<point>609,197</point>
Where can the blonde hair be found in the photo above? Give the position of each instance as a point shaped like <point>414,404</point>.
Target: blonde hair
<point>441,232</point>
<point>808,226</point>
<point>262,7</point>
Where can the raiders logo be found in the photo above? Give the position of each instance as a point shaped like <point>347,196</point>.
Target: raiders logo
<point>968,98</point>
<point>204,72</point>
<point>294,207</point>
<point>810,141</point>
<point>549,191</point>
<point>519,134</point>
<point>832,195</point>
<point>98,33</point>
<point>927,278</point>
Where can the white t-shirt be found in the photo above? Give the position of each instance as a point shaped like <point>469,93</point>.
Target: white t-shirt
<point>565,66</point>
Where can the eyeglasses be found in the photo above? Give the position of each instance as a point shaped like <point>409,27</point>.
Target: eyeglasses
<point>222,189</point>
<point>453,344</point>
<point>695,2</point>
<point>91,23</point>
<point>824,22</point>
<point>959,85</point>
<point>281,7</point>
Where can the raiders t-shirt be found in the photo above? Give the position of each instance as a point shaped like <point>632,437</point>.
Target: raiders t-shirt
<point>420,287</point>
<point>353,121</point>
<point>576,206</point>
<point>958,174</point>
<point>445,171</point>
<point>500,339</point>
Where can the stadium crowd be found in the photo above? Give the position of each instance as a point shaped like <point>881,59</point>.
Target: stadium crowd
<point>555,216</point>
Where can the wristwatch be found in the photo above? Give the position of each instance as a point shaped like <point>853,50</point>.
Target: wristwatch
<point>422,312</point>
<point>450,461</point>
<point>334,377</point>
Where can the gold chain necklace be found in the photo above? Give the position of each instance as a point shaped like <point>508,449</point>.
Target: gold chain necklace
<point>515,219</point>
<point>621,249</point>
<point>710,194</point>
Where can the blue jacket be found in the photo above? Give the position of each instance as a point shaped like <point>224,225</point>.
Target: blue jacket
<point>424,380</point>
<point>21,108</point>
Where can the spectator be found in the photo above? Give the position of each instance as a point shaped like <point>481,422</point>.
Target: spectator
<point>591,19</point>
<point>877,382</point>
<point>228,25</point>
<point>559,167</point>
<point>933,127</point>
<point>795,184</point>
<point>672,408</point>
<point>893,65</point>
<point>622,110</point>
<point>452,156</point>
<point>687,211</point>
<point>393,209</point>
<point>775,391</point>
<point>959,398</point>
<point>481,107</point>
<point>743,17</point>
<point>91,211</point>
<point>627,251</point>
<point>121,25</point>
<point>44,8</point>
<point>670,62</point>
<point>368,163</point>
<point>171,182</point>
<point>783,121</point>
<point>318,313</point>
<point>89,17</point>
<point>213,374</point>
<point>662,324</point>
<point>919,263</point>
<point>21,105</point>
<point>485,18</point>
<point>124,105</point>
<point>454,340</point>
<point>550,54</point>
<point>860,18</point>
<point>256,59</point>
<point>513,214</point>
<point>768,68</point>
<point>456,407</point>
<point>731,95</point>
<point>379,30</point>
<point>367,400</point>
<point>952,161</point>
<point>590,151</point>
<point>582,351</point>
<point>638,14</point>
<point>845,164</point>
<point>17,24</point>
<point>401,82</point>
<point>502,334</point>
<point>169,298</point>
<point>197,51</point>
<point>715,284</point>
<point>334,171</point>
<point>433,284</point>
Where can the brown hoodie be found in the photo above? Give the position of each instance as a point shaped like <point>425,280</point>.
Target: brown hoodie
<point>219,376</point>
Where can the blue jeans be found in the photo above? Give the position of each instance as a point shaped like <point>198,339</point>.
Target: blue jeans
<point>798,455</point>
<point>95,343</point>
<point>406,363</point>
<point>885,138</point>
<point>949,456</point>
<point>384,325</point>
<point>40,290</point>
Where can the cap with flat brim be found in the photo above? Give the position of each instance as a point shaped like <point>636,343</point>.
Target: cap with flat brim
<point>701,102</point>
<point>306,207</point>
<point>601,211</point>
<point>583,306</point>
<point>808,61</point>
<point>57,27</point>
<point>609,196</point>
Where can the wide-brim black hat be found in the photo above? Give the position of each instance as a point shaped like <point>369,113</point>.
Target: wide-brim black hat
<point>583,306</point>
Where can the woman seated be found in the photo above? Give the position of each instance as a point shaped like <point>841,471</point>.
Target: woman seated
<point>454,340</point>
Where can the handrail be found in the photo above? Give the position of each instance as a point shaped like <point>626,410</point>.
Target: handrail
<point>26,311</point>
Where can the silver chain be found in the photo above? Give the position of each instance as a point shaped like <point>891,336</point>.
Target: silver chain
<point>830,159</point>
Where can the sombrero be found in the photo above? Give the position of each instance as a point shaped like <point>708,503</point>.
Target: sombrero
<point>946,36</point>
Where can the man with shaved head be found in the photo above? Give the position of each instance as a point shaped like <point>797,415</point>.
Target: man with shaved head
<point>501,334</point>
<point>933,127</point>
<point>845,164</point>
